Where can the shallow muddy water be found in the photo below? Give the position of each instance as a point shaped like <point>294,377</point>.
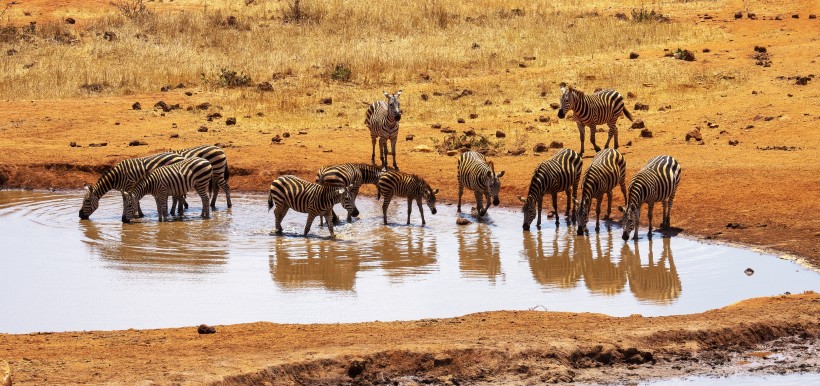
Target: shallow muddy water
<point>60,273</point>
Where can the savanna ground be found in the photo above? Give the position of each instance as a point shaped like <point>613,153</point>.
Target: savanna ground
<point>493,64</point>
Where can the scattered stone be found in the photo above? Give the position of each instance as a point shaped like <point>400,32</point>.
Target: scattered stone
<point>327,151</point>
<point>751,16</point>
<point>464,93</point>
<point>422,149</point>
<point>101,144</point>
<point>518,151</point>
<point>409,137</point>
<point>754,92</point>
<point>638,124</point>
<point>264,86</point>
<point>540,147</point>
<point>202,129</point>
<point>812,16</point>
<point>174,135</point>
<point>633,55</point>
<point>165,88</point>
<point>188,93</point>
<point>556,145</point>
<point>712,125</point>
<point>705,50</point>
<point>694,134</point>
<point>356,368</point>
<point>488,102</point>
<point>645,133</point>
<point>543,119</point>
<point>473,115</point>
<point>230,121</point>
<point>738,15</point>
<point>735,225</point>
<point>276,139</point>
<point>326,101</point>
<point>205,106</point>
<point>286,135</point>
<point>463,221</point>
<point>320,111</point>
<point>522,65</point>
<point>442,359</point>
<point>760,49</point>
<point>447,130</point>
<point>500,134</point>
<point>302,132</point>
<point>452,152</point>
<point>641,106</point>
<point>733,142</point>
<point>783,147</point>
<point>684,55</point>
<point>630,94</point>
<point>72,144</point>
<point>136,106</point>
<point>206,329</point>
<point>163,106</point>
<point>628,143</point>
<point>460,120</point>
<point>554,105</point>
<point>506,101</point>
<point>424,76</point>
<point>436,126</point>
<point>70,20</point>
<point>802,80</point>
<point>621,16</point>
<point>749,272</point>
<point>470,133</point>
<point>137,143</point>
<point>425,97</point>
<point>795,16</point>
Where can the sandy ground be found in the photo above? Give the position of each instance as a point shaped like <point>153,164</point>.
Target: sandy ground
<point>771,196</point>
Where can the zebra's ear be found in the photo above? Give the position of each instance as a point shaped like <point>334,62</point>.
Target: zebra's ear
<point>501,174</point>
<point>341,191</point>
<point>386,94</point>
<point>398,93</point>
<point>621,208</point>
<point>87,187</point>
<point>522,199</point>
<point>435,191</point>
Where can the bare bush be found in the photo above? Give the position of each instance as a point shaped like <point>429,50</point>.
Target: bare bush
<point>132,9</point>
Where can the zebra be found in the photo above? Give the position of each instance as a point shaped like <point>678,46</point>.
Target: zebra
<point>406,185</point>
<point>602,107</point>
<point>175,180</point>
<point>349,174</point>
<point>123,177</point>
<point>382,119</point>
<point>219,163</point>
<point>288,192</point>
<point>478,175</point>
<point>608,169</point>
<point>557,174</point>
<point>657,181</point>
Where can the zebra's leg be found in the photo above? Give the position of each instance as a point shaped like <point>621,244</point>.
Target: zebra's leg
<point>613,133</point>
<point>203,194</point>
<point>669,211</point>
<point>460,193</point>
<point>479,204</point>
<point>409,209</point>
<point>650,205</point>
<point>609,136</point>
<point>598,214</point>
<point>393,150</point>
<point>665,204</point>
<point>592,130</point>
<point>581,133</point>
<point>225,188</point>
<point>383,152</point>
<point>213,187</point>
<point>126,209</point>
<point>310,219</point>
<point>329,218</point>
<point>540,208</point>
<point>162,207</point>
<point>555,207</point>
<point>280,212</point>
<point>373,155</point>
<point>569,203</point>
<point>387,198</point>
<point>608,205</point>
<point>638,222</point>
<point>139,209</point>
<point>421,211</point>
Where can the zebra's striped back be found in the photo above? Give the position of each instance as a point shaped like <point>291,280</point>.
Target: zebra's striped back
<point>370,173</point>
<point>123,177</point>
<point>657,181</point>
<point>396,183</point>
<point>606,171</point>
<point>219,165</point>
<point>342,175</point>
<point>601,107</point>
<point>304,196</point>
<point>176,179</point>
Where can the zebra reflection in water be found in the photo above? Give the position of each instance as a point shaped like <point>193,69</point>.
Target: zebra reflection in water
<point>554,267</point>
<point>313,263</point>
<point>478,253</point>
<point>655,283</point>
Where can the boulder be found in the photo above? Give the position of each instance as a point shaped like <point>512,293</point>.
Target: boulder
<point>694,134</point>
<point>540,148</point>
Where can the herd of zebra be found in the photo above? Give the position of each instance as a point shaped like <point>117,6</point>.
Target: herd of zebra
<point>204,169</point>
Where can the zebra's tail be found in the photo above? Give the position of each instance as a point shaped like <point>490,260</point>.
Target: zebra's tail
<point>378,193</point>
<point>270,201</point>
<point>628,115</point>
<point>228,171</point>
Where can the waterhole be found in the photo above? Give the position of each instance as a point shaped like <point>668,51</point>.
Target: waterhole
<point>60,273</point>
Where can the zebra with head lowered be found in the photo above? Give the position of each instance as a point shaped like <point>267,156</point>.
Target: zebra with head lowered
<point>478,175</point>
<point>288,192</point>
<point>560,173</point>
<point>608,169</point>
<point>382,119</point>
<point>123,177</point>
<point>657,181</point>
<point>353,175</point>
<point>601,107</point>
<point>219,164</point>
<point>396,183</point>
<point>175,180</point>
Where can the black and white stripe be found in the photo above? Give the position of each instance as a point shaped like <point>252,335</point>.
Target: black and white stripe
<point>175,180</point>
<point>601,107</point>
<point>478,175</point>
<point>219,164</point>
<point>607,170</point>
<point>123,177</point>
<point>657,181</point>
<point>396,183</point>
<point>560,173</point>
<point>291,192</point>
<point>382,119</point>
<point>352,175</point>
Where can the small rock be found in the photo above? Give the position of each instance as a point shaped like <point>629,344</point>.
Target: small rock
<point>463,221</point>
<point>72,144</point>
<point>518,151</point>
<point>443,359</point>
<point>180,85</point>
<point>500,134</point>
<point>424,76</point>
<point>205,329</point>
<point>165,88</point>
<point>506,101</point>
<point>795,16</point>
<point>447,130</point>
<point>630,94</point>
<point>436,125</point>
<point>735,225</point>
<point>812,16</point>
<point>706,50</point>
<point>712,125</point>
<point>540,148</point>
<point>327,151</point>
<point>733,142</point>
<point>174,135</point>
<point>488,102</point>
<point>694,134</point>
<point>470,133</point>
<point>70,20</point>
<point>685,55</point>
<point>11,52</point>
<point>751,16</point>
<point>543,119</point>
<point>628,143</point>
<point>621,16</point>
<point>460,120</point>
<point>760,49</point>
<point>738,15</point>
<point>356,368</point>
<point>286,135</point>
<point>802,80</point>
<point>749,272</point>
<point>638,124</point>
<point>641,106</point>
<point>633,55</point>
<point>264,86</point>
<point>136,106</point>
<point>276,139</point>
<point>452,152</point>
<point>230,121</point>
<point>645,133</point>
<point>556,145</point>
<point>473,116</point>
<point>409,137</point>
<point>163,106</point>
<point>188,93</point>
<point>101,144</point>
<point>205,106</point>
<point>202,129</point>
<point>302,132</point>
<point>554,105</point>
<point>326,101</point>
<point>425,97</point>
<point>137,143</point>
<point>422,149</point>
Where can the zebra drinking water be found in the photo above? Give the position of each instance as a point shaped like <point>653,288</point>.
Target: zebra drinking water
<point>601,107</point>
<point>396,183</point>
<point>353,175</point>
<point>478,175</point>
<point>219,164</point>
<point>175,180</point>
<point>123,177</point>
<point>382,119</point>
<point>557,174</point>
<point>288,192</point>
<point>657,181</point>
<point>608,169</point>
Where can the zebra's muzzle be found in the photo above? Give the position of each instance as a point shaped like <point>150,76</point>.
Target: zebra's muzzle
<point>625,236</point>
<point>561,114</point>
<point>526,227</point>
<point>433,211</point>
<point>83,216</point>
<point>398,117</point>
<point>355,212</point>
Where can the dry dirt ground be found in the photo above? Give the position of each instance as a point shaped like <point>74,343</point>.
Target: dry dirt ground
<point>766,184</point>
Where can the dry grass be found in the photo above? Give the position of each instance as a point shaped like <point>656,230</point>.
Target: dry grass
<point>386,46</point>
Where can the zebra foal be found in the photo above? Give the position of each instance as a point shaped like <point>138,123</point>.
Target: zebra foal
<point>478,175</point>
<point>601,107</point>
<point>175,180</point>
<point>657,181</point>
<point>123,177</point>
<point>607,170</point>
<point>557,174</point>
<point>291,192</point>
<point>396,183</point>
<point>382,118</point>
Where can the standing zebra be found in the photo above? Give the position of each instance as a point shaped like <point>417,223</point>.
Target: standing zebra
<point>478,175</point>
<point>123,177</point>
<point>602,107</point>
<point>382,119</point>
<point>406,185</point>
<point>175,180</point>
<point>353,175</point>
<point>657,181</point>
<point>608,169</point>
<point>307,197</point>
<point>557,174</point>
<point>219,163</point>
